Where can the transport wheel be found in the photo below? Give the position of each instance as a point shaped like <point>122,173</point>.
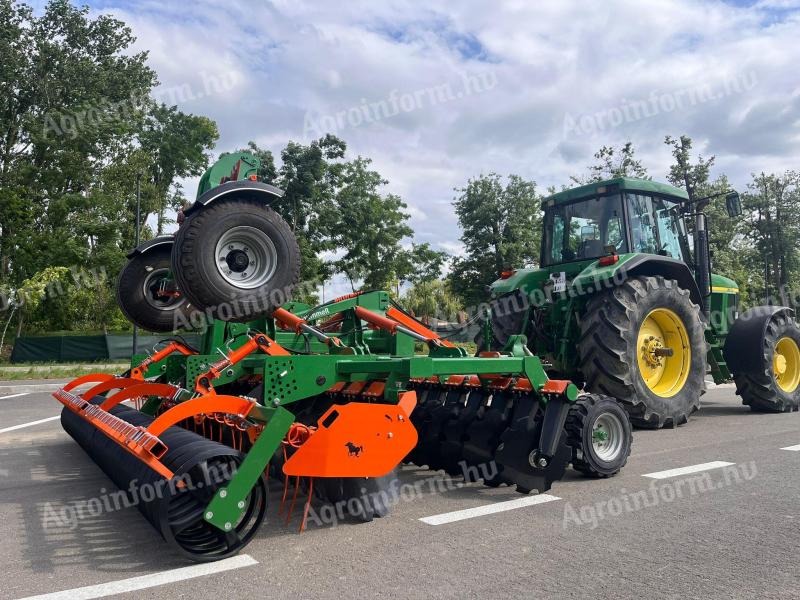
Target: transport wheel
<point>148,296</point>
<point>769,379</point>
<point>237,259</point>
<point>643,343</point>
<point>599,432</point>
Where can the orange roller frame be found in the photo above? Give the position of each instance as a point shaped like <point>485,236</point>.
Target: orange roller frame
<point>162,390</point>
<point>115,383</point>
<point>203,405</point>
<point>90,378</point>
<point>357,440</point>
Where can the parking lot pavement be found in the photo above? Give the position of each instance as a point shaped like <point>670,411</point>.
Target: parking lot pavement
<point>664,527</point>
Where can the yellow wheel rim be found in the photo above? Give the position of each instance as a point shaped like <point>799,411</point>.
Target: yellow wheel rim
<point>786,364</point>
<point>664,353</point>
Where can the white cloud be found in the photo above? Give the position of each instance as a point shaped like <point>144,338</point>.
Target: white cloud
<point>549,59</point>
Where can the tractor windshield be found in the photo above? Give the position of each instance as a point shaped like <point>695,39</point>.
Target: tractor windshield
<point>583,230</point>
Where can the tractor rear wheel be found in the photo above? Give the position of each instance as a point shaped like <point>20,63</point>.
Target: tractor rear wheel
<point>147,295</point>
<point>643,343</point>
<point>772,382</point>
<point>599,433</point>
<point>237,259</point>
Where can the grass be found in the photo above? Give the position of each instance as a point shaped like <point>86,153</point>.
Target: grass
<point>44,371</point>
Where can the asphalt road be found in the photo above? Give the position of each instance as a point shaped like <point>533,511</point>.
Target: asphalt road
<point>726,532</point>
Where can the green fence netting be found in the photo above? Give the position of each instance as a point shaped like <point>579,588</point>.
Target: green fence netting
<point>84,348</point>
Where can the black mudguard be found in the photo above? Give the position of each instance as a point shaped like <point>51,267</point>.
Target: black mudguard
<point>145,246</point>
<point>240,189</point>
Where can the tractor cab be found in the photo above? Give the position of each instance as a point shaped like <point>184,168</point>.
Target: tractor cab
<point>614,217</point>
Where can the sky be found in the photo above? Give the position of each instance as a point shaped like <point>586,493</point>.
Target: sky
<point>438,92</point>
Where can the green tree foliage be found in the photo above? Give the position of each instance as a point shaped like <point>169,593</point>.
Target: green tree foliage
<point>77,124</point>
<point>310,175</point>
<point>177,144</point>
<point>772,225</point>
<point>421,264</point>
<point>501,227</point>
<point>612,162</point>
<point>369,228</point>
<point>731,254</point>
<point>432,299</point>
<point>72,98</point>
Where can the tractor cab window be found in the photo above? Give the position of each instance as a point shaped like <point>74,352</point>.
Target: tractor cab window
<point>656,225</point>
<point>583,230</point>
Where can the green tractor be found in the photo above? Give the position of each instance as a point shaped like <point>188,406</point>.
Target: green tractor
<point>625,303</point>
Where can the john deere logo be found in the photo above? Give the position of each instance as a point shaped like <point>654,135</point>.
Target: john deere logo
<point>353,450</point>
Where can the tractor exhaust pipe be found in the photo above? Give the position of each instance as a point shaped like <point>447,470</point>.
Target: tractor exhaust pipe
<point>702,257</point>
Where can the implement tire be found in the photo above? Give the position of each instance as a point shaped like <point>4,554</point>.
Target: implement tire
<point>237,259</point>
<point>599,433</point>
<point>643,343</point>
<point>137,293</point>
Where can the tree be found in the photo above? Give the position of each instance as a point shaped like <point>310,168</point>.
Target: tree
<point>772,213</point>
<point>421,264</point>
<point>310,176</point>
<point>432,299</point>
<point>177,144</point>
<point>613,163</point>
<point>369,228</point>
<point>72,97</point>
<point>501,229</point>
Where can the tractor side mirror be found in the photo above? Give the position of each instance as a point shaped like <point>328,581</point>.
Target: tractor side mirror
<point>733,205</point>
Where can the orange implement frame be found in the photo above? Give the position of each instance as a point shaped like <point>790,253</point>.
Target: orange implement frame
<point>139,371</point>
<point>259,342</point>
<point>357,440</point>
<point>416,326</point>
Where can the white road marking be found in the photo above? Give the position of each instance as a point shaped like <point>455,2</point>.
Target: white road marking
<point>717,464</point>
<point>792,448</point>
<point>148,581</point>
<point>14,396</point>
<point>488,509</point>
<point>32,423</point>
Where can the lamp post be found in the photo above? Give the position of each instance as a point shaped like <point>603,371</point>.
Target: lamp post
<point>138,218</point>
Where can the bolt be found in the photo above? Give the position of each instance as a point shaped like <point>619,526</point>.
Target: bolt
<point>209,515</point>
<point>390,435</point>
<point>230,246</point>
<point>542,462</point>
<point>228,526</point>
<point>229,372</point>
<point>241,504</point>
<point>276,401</point>
<point>223,493</point>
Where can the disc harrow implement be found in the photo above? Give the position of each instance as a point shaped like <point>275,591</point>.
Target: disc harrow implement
<point>328,401</point>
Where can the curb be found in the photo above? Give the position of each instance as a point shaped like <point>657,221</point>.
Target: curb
<point>30,388</point>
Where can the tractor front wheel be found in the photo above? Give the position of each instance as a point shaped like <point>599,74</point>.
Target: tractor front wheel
<point>643,343</point>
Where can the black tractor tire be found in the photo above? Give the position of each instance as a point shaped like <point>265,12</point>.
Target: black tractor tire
<point>508,318</point>
<point>137,285</point>
<point>609,348</point>
<point>600,434</point>
<point>207,267</point>
<point>760,388</point>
